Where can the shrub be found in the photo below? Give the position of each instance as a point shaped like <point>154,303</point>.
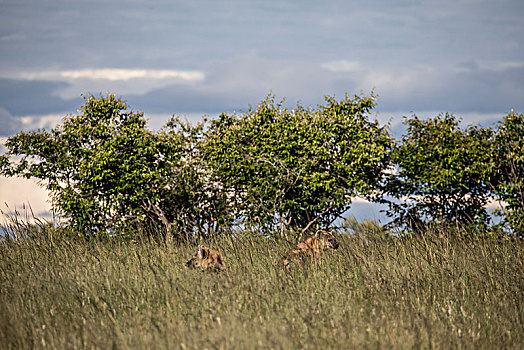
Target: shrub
<point>105,172</point>
<point>282,168</point>
<point>444,174</point>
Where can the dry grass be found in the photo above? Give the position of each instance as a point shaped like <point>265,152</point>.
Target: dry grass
<point>434,291</point>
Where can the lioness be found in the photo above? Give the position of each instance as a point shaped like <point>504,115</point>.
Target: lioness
<point>207,259</point>
<point>311,247</point>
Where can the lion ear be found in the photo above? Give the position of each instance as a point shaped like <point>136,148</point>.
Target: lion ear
<point>319,234</point>
<point>201,252</point>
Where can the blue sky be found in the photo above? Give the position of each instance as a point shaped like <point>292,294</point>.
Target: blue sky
<point>206,57</point>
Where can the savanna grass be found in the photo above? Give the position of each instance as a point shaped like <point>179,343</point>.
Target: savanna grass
<point>441,291</point>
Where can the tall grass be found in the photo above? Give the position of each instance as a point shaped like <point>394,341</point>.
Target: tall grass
<point>442,291</point>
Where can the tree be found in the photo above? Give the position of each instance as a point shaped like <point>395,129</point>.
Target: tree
<point>444,173</point>
<point>106,173</point>
<point>281,168</point>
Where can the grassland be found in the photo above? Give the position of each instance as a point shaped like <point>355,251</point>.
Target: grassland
<point>434,291</point>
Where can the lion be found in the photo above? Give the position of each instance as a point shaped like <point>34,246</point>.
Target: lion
<point>311,248</point>
<point>207,259</point>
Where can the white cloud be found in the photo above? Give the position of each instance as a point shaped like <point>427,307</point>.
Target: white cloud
<point>502,65</point>
<point>114,74</point>
<point>341,66</point>
<point>2,144</point>
<point>31,122</point>
<point>496,66</point>
<point>118,81</point>
<point>8,123</point>
<point>18,193</point>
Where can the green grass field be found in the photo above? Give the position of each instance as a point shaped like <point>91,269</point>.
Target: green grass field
<point>430,292</point>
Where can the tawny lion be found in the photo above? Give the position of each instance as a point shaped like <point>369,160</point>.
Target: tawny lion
<point>311,247</point>
<point>207,259</point>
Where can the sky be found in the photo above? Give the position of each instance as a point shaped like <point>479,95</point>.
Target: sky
<point>195,58</point>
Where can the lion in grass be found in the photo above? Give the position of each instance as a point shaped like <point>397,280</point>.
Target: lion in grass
<point>310,248</point>
<point>207,259</point>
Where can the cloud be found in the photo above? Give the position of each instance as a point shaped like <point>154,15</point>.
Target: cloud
<point>248,78</point>
<point>477,91</point>
<point>470,87</point>
<point>25,196</point>
<point>341,66</point>
<point>22,97</point>
<point>9,124</point>
<point>114,74</point>
<point>473,88</point>
<point>73,83</point>
<point>236,83</point>
<point>47,121</point>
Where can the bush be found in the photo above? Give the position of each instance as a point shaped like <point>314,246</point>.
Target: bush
<point>281,168</point>
<point>106,173</point>
<point>444,174</point>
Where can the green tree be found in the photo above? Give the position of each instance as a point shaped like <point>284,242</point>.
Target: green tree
<point>106,173</point>
<point>509,150</point>
<point>444,173</point>
<point>281,168</point>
